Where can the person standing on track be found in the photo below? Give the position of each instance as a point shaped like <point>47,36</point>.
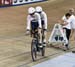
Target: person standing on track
<point>43,16</point>
<point>72,12</point>
<point>34,23</point>
<point>66,22</point>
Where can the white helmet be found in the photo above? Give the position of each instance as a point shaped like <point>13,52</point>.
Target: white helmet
<point>31,10</point>
<point>38,9</point>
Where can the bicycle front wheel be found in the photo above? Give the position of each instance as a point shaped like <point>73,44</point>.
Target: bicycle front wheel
<point>33,50</point>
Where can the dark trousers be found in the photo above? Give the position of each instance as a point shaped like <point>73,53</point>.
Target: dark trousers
<point>68,32</point>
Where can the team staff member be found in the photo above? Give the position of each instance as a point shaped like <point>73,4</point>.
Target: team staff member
<point>72,12</point>
<point>66,23</point>
<point>34,22</point>
<point>43,16</point>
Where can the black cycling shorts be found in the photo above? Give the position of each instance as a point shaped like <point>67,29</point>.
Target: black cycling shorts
<point>34,25</point>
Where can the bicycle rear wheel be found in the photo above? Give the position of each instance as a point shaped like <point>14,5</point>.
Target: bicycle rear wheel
<point>33,50</point>
<point>43,48</point>
<point>43,51</point>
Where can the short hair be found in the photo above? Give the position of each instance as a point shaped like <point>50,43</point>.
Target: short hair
<point>71,9</point>
<point>67,14</point>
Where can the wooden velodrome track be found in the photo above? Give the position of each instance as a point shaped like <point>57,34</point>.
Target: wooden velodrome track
<point>14,45</point>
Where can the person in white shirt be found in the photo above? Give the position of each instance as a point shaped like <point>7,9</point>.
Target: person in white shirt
<point>72,12</point>
<point>34,22</point>
<point>43,16</point>
<point>66,23</point>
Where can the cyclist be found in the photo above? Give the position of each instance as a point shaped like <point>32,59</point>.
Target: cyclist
<point>34,23</point>
<point>43,16</point>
